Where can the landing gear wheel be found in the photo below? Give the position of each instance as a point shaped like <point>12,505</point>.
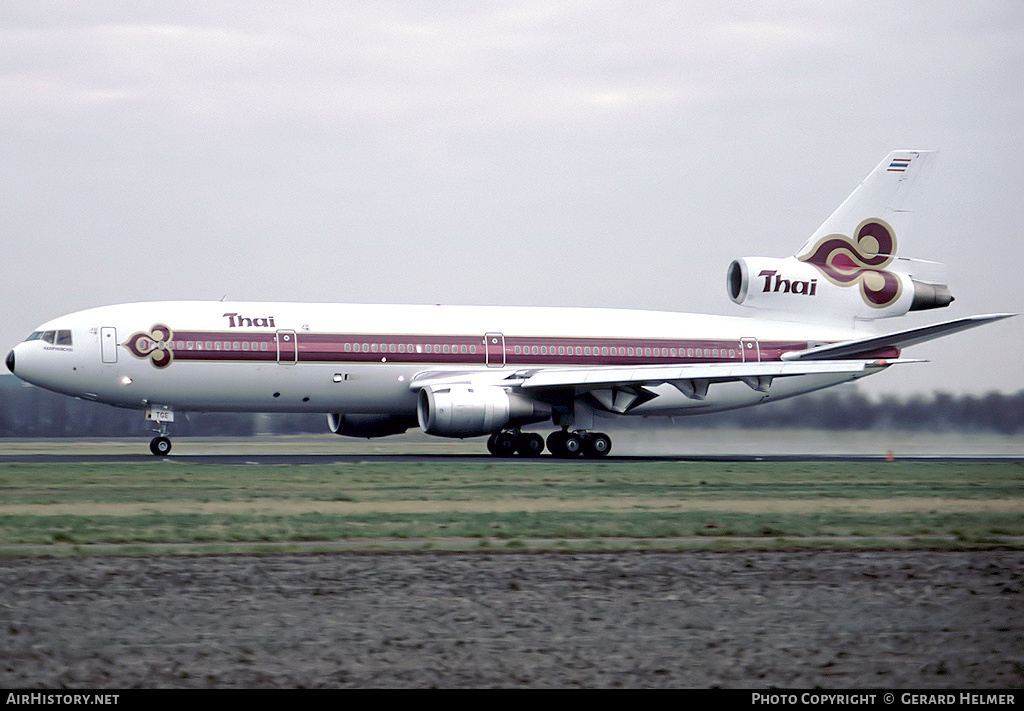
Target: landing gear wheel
<point>597,444</point>
<point>502,444</point>
<point>160,446</point>
<point>555,443</point>
<point>530,445</point>
<point>573,444</point>
<point>565,444</point>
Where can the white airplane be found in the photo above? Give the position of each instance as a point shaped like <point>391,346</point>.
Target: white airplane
<point>469,371</point>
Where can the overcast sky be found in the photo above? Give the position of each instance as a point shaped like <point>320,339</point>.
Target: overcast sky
<point>537,153</point>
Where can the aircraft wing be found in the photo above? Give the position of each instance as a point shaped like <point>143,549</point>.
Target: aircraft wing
<point>619,389</point>
<point>899,339</point>
<point>587,378</point>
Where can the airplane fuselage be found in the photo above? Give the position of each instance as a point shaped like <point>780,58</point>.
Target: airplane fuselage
<point>357,358</point>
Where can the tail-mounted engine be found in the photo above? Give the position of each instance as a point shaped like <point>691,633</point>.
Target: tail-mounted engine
<point>795,287</point>
<point>470,411</point>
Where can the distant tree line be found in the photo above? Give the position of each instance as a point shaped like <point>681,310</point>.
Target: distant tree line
<point>32,412</point>
<point>851,410</point>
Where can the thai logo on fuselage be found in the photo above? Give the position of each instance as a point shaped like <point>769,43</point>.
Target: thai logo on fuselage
<point>155,345</point>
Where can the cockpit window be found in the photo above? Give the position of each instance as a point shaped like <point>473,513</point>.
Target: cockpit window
<point>59,338</point>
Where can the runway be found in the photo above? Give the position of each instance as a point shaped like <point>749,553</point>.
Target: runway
<point>408,458</point>
<point>640,444</point>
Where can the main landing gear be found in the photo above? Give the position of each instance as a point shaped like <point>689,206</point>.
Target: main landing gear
<point>562,444</point>
<point>525,444</point>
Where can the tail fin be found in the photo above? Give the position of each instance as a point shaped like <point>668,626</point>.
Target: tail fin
<point>849,268</point>
<point>887,194</point>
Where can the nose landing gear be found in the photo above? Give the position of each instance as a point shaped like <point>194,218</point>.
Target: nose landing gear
<point>160,445</point>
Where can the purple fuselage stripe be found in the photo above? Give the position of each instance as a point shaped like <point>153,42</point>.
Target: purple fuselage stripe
<point>262,346</point>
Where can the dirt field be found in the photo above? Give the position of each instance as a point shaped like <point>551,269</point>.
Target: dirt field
<point>914,619</point>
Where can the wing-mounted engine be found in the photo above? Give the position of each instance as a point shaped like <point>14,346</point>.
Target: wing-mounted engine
<point>797,287</point>
<point>368,425</point>
<point>461,410</point>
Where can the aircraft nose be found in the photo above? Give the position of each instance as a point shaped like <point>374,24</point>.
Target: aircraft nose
<point>10,361</point>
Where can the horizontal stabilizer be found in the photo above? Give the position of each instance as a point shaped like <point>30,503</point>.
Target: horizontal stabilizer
<point>899,339</point>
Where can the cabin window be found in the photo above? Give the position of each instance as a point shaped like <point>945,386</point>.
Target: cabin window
<point>732,353</point>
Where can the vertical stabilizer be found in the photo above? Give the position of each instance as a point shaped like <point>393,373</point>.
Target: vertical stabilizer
<point>849,268</point>
<point>888,193</point>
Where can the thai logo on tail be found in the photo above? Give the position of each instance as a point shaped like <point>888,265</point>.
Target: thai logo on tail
<point>155,345</point>
<point>860,261</point>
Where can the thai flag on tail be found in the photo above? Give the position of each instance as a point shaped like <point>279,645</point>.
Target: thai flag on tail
<point>898,165</point>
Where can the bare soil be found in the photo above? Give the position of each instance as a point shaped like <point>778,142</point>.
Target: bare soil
<point>869,619</point>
